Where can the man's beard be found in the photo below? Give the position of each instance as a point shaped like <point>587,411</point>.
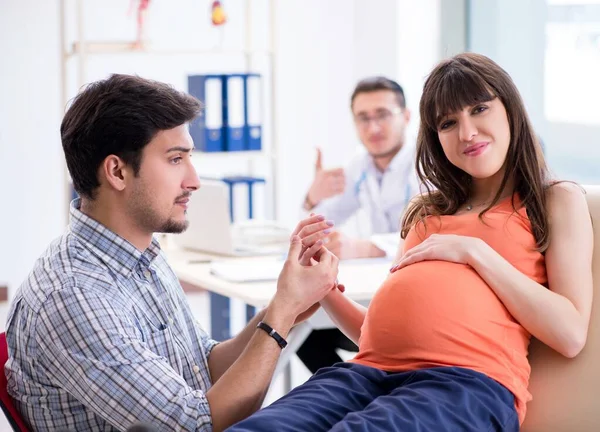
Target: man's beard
<point>151,220</point>
<point>393,151</point>
<point>173,227</point>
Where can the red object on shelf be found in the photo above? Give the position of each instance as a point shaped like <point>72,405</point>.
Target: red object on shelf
<point>142,9</point>
<point>218,15</point>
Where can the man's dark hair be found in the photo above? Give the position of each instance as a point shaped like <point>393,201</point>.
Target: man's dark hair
<point>377,83</point>
<point>118,116</point>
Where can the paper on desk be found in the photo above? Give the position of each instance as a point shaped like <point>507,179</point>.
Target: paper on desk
<point>264,270</point>
<point>247,271</point>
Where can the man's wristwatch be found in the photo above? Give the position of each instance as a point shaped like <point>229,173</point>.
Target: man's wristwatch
<point>307,204</point>
<point>271,332</point>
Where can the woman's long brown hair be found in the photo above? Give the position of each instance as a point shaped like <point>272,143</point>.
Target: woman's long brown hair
<point>465,80</point>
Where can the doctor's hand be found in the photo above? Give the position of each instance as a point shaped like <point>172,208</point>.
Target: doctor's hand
<point>345,247</point>
<point>327,183</point>
<point>300,287</point>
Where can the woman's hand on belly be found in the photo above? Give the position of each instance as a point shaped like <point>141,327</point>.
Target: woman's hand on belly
<point>441,247</point>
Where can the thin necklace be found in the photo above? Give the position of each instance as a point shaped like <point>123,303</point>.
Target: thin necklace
<point>470,206</point>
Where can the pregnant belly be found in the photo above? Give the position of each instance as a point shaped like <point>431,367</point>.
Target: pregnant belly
<point>433,310</point>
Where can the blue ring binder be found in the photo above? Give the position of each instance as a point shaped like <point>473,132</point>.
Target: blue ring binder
<point>220,305</point>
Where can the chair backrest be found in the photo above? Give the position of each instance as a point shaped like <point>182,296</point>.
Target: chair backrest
<point>565,391</point>
<point>11,413</point>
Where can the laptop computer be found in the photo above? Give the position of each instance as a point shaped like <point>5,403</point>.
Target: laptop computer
<point>210,229</point>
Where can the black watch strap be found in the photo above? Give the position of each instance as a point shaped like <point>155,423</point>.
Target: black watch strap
<point>271,332</point>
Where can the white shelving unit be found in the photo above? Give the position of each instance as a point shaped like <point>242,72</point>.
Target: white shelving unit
<point>80,50</point>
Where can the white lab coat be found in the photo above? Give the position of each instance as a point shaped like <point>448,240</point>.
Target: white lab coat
<point>377,199</point>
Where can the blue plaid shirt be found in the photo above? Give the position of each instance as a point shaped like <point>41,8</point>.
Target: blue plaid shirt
<point>101,337</point>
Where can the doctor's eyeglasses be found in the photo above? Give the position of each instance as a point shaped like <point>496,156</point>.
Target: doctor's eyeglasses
<point>381,117</point>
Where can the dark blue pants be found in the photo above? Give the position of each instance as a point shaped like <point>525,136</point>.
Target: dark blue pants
<point>351,397</point>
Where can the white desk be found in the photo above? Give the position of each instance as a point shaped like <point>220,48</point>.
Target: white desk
<point>360,278</point>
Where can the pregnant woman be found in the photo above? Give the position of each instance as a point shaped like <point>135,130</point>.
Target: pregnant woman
<point>494,252</point>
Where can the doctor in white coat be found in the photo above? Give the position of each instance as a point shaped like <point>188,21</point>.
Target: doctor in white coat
<point>376,186</point>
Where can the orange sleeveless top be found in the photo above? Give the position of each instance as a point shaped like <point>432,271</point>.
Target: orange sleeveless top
<point>438,313</point>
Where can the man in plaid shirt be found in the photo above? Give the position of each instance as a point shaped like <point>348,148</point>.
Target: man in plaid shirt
<point>100,335</point>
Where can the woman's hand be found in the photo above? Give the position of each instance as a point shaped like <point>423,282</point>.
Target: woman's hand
<point>312,231</point>
<point>441,247</point>
<point>307,313</point>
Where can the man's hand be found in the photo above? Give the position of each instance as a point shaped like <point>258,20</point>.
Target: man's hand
<point>300,287</point>
<point>326,184</point>
<point>345,247</point>
<point>312,230</point>
<point>242,368</point>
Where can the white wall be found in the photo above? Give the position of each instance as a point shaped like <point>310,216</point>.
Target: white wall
<point>321,50</point>
<point>31,168</point>
<point>375,38</point>
<point>314,78</point>
<point>419,49</point>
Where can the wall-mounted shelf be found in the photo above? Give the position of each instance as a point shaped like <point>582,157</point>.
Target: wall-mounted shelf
<point>81,49</point>
<point>129,47</point>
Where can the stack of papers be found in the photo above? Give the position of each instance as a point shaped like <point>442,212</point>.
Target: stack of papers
<point>247,270</point>
<point>264,270</point>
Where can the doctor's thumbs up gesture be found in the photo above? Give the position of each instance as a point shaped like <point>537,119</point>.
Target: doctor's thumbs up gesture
<point>327,183</point>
